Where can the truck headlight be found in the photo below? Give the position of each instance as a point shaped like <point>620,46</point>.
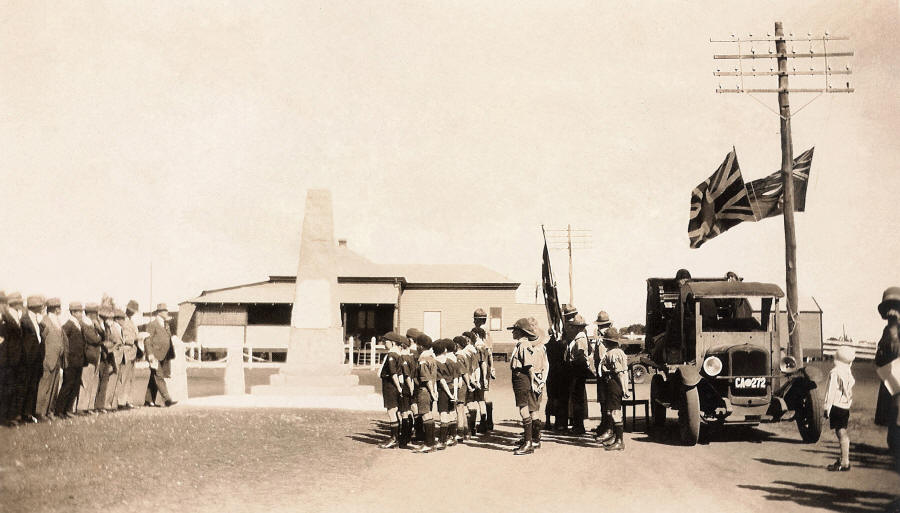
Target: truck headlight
<point>712,366</point>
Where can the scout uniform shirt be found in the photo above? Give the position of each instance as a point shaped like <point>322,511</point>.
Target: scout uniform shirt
<point>390,366</point>
<point>408,368</point>
<point>614,362</point>
<point>522,356</point>
<point>427,368</point>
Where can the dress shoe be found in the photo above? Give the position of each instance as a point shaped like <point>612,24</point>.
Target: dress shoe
<point>536,444</point>
<point>615,446</point>
<point>148,403</point>
<point>30,419</point>
<point>390,444</point>
<point>528,448</point>
<point>121,407</point>
<point>12,423</point>
<point>605,436</point>
<point>130,406</point>
<point>837,467</point>
<point>424,449</point>
<point>171,403</point>
<point>440,446</point>
<point>450,442</point>
<point>578,431</point>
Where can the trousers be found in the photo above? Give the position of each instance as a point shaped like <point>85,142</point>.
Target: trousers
<point>68,393</point>
<point>126,381</point>
<point>156,385</point>
<point>87,395</point>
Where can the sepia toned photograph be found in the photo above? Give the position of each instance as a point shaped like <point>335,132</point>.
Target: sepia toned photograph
<point>480,256</point>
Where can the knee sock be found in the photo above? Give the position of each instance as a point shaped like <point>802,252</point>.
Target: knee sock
<point>395,430</point>
<point>618,429</point>
<point>417,428</point>
<point>405,431</point>
<point>489,406</point>
<point>428,426</point>
<point>454,427</point>
<point>472,414</point>
<point>536,430</point>
<point>526,427</point>
<point>442,433</point>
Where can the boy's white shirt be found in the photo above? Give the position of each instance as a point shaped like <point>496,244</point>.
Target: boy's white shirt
<point>840,387</point>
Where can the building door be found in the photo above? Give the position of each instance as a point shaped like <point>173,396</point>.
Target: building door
<point>432,324</point>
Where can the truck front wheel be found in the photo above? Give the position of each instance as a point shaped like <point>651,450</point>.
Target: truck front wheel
<point>809,417</point>
<point>689,417</point>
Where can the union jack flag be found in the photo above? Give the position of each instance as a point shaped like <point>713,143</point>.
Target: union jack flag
<point>766,197</point>
<point>719,203</point>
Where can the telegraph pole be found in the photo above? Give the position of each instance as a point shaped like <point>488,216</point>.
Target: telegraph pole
<point>781,55</point>
<point>570,239</point>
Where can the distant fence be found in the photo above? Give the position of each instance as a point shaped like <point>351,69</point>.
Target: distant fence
<point>864,350</point>
<point>357,354</point>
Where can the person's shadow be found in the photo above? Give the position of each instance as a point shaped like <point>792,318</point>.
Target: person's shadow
<point>831,498</point>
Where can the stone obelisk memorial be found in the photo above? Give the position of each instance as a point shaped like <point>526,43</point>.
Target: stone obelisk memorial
<point>314,375</point>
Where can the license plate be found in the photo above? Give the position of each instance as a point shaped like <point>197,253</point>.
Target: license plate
<point>749,382</point>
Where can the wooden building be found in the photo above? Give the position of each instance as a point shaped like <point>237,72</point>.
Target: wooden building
<point>374,298</point>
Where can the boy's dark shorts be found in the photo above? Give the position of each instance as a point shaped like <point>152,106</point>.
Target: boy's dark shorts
<point>390,394</point>
<point>521,384</point>
<point>462,395</point>
<point>404,402</point>
<point>423,399</point>
<point>445,405</point>
<point>613,394</point>
<point>838,417</point>
<point>477,395</point>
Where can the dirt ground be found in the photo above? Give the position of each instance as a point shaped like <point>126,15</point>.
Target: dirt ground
<point>212,460</point>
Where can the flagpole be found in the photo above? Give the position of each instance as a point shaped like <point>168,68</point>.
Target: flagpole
<point>787,175</point>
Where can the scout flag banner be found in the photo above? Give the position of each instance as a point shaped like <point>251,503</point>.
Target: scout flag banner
<point>551,297</point>
<point>766,194</point>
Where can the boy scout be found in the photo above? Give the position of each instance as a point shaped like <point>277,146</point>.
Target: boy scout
<point>524,331</point>
<point>485,347</point>
<point>408,367</point>
<point>391,386</point>
<point>426,392</point>
<point>445,392</point>
<point>605,428</point>
<point>613,367</point>
<point>476,392</point>
<point>464,386</point>
<point>453,366</point>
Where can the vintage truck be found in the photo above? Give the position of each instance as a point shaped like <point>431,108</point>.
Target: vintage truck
<point>719,361</point>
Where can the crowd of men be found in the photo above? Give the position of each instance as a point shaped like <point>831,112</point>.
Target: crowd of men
<point>56,365</point>
<point>436,388</point>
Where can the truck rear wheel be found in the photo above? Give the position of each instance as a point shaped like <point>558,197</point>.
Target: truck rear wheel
<point>809,417</point>
<point>657,410</point>
<point>689,417</point>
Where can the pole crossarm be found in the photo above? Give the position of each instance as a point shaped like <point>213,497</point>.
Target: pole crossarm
<point>796,90</point>
<point>784,55</point>
<point>776,73</point>
<point>751,39</point>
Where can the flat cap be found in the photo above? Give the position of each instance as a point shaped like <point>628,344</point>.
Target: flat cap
<point>423,338</point>
<point>54,302</point>
<point>75,306</point>
<point>91,308</point>
<point>412,333</point>
<point>36,301</point>
<point>14,298</point>
<point>395,337</point>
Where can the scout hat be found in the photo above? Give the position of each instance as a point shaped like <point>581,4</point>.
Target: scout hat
<point>890,300</point>
<point>845,354</point>
<point>395,337</point>
<point>91,308</point>
<point>576,320</point>
<point>479,314</point>
<point>602,319</point>
<point>54,302</point>
<point>14,298</point>
<point>133,306</point>
<point>35,301</point>
<point>527,326</point>
<point>570,311</point>
<point>611,337</point>
<point>75,306</point>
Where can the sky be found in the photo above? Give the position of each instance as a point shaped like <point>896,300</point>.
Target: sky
<point>183,136</point>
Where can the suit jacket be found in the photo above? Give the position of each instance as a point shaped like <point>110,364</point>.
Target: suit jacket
<point>113,343</point>
<point>159,343</point>
<point>33,347</point>
<point>56,345</point>
<point>129,339</point>
<point>93,338</point>
<point>75,356</point>
<point>11,351</point>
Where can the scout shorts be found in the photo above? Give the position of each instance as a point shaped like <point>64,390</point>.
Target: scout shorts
<point>613,393</point>
<point>390,394</point>
<point>404,402</point>
<point>445,405</point>
<point>423,399</point>
<point>521,383</point>
<point>838,417</point>
<point>477,395</point>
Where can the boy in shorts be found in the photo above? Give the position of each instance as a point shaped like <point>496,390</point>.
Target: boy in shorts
<point>391,386</point>
<point>524,331</point>
<point>838,398</point>
<point>613,366</point>
<point>426,392</point>
<point>446,394</point>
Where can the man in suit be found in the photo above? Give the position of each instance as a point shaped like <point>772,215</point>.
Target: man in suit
<point>55,352</point>
<point>33,352</point>
<point>129,353</point>
<point>75,361</point>
<point>109,363</point>
<point>92,329</point>
<point>11,361</point>
<point>159,354</point>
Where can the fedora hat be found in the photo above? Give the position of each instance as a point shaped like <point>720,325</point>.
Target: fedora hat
<point>889,300</point>
<point>133,306</point>
<point>576,320</point>
<point>161,308</point>
<point>36,301</point>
